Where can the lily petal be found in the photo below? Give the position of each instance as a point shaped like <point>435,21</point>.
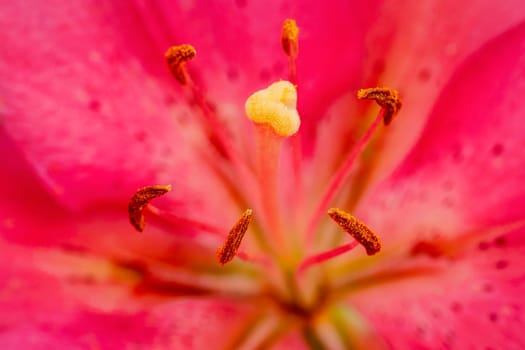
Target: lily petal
<point>105,230</point>
<point>466,171</point>
<point>415,49</point>
<point>431,39</point>
<point>39,221</point>
<point>42,310</point>
<point>475,301</point>
<point>240,44</point>
<point>82,100</point>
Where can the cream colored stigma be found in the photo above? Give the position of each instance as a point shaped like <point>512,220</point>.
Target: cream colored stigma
<point>275,106</point>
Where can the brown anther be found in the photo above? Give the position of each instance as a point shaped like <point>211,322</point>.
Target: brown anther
<point>177,56</point>
<point>385,97</point>
<point>289,37</point>
<point>228,251</point>
<point>358,230</point>
<point>140,200</point>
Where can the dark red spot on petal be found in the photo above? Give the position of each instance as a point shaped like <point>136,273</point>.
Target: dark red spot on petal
<point>141,136</point>
<point>169,100</point>
<point>424,75</point>
<point>241,3</point>
<point>264,74</point>
<point>501,264</point>
<point>232,73</point>
<point>497,149</point>
<point>94,105</point>
<point>456,307</point>
<point>487,288</point>
<point>483,245</point>
<point>457,153</point>
<point>379,66</point>
<point>500,241</point>
<point>426,248</point>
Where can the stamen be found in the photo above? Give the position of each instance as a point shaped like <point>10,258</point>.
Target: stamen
<point>275,106</point>
<point>358,230</point>
<point>385,97</point>
<point>177,56</point>
<point>228,251</point>
<point>290,44</point>
<point>327,255</point>
<point>343,172</point>
<point>289,36</point>
<point>140,200</point>
<point>174,222</point>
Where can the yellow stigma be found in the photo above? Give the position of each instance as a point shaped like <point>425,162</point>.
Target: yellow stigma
<point>289,37</point>
<point>275,106</point>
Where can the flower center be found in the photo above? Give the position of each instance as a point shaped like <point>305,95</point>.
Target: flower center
<point>286,252</point>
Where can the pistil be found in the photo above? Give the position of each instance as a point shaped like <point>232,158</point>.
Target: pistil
<point>273,111</point>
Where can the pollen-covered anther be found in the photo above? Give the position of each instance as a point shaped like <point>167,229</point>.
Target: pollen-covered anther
<point>275,106</point>
<point>176,57</point>
<point>140,200</point>
<point>385,97</point>
<point>358,230</point>
<point>289,37</point>
<point>227,252</point>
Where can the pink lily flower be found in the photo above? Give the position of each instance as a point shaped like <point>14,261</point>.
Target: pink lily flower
<point>90,113</point>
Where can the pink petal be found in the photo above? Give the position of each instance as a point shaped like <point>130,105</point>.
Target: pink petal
<point>474,302</point>
<point>430,40</point>
<point>240,47</point>
<point>102,93</point>
<point>467,169</point>
<point>42,311</point>
<point>415,48</point>
<point>28,213</point>
<point>89,109</point>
